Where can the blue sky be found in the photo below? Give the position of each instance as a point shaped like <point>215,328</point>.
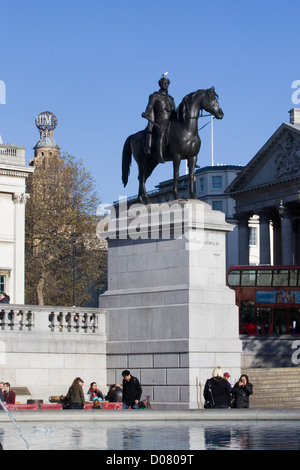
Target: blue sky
<point>93,63</point>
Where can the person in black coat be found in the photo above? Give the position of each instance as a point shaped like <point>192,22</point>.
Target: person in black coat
<point>4,298</point>
<point>241,392</point>
<point>132,390</point>
<point>216,390</point>
<point>114,393</point>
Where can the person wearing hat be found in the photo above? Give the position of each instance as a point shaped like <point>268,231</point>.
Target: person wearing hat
<point>226,376</point>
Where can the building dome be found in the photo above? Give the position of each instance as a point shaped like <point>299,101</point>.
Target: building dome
<point>46,141</point>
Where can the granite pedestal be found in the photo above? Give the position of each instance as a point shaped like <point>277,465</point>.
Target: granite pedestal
<point>170,316</point>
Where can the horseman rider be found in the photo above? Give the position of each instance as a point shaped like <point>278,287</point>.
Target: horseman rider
<point>160,111</point>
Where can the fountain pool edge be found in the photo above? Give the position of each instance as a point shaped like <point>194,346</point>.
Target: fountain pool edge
<point>250,414</point>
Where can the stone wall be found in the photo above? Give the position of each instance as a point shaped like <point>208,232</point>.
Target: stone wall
<point>45,348</point>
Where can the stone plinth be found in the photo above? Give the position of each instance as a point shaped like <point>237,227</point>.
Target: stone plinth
<point>170,317</point>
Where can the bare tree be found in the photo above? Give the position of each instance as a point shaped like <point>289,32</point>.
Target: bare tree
<point>65,260</point>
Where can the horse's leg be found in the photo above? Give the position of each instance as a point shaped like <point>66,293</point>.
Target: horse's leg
<point>192,165</point>
<point>145,170</point>
<point>176,164</point>
<point>140,195</point>
<point>143,197</point>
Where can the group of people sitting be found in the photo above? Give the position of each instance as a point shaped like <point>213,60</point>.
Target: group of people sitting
<point>114,393</point>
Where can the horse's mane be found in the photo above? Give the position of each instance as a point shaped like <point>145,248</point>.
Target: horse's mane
<point>184,108</point>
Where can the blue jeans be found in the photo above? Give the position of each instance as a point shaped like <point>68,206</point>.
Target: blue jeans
<point>133,407</point>
<point>76,406</point>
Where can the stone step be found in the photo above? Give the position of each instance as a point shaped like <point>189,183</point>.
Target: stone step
<point>277,384</point>
<point>279,393</point>
<point>275,387</point>
<point>295,371</point>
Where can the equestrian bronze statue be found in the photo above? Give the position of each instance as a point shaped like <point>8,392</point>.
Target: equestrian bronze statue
<point>171,135</point>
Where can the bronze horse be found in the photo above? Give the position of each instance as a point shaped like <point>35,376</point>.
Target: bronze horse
<point>183,142</point>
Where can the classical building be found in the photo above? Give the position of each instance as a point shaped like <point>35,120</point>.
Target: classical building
<point>13,174</point>
<point>268,187</point>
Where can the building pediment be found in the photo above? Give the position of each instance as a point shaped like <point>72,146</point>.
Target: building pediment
<point>276,163</point>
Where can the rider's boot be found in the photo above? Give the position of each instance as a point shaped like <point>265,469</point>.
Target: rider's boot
<point>160,157</point>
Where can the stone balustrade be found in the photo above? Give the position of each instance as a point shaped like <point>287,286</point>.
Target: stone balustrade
<point>8,150</point>
<point>12,155</point>
<point>54,319</point>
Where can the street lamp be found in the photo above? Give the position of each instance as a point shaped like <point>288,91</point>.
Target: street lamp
<point>281,209</point>
<point>74,235</point>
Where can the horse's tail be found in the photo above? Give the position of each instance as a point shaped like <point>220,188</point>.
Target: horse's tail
<point>126,160</point>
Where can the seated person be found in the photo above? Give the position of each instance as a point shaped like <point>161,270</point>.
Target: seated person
<point>114,393</point>
<point>94,392</point>
<point>9,394</point>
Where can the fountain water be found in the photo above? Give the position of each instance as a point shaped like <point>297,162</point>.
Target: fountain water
<point>10,415</point>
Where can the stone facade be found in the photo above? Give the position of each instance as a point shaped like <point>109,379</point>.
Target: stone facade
<point>13,174</point>
<point>43,349</point>
<point>269,187</point>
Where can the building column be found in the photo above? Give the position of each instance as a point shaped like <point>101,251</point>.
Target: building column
<point>18,292</point>
<point>287,237</point>
<point>297,241</point>
<point>277,253</point>
<point>243,238</point>
<point>264,237</point>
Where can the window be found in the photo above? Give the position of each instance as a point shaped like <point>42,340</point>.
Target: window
<point>201,183</point>
<point>253,236</point>
<point>263,315</point>
<point>247,311</point>
<point>2,283</point>
<point>264,277</point>
<point>217,205</point>
<point>293,277</point>
<point>281,277</point>
<point>248,278</point>
<point>217,182</point>
<point>234,278</point>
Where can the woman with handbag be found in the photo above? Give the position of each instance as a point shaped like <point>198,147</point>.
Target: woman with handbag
<point>216,391</point>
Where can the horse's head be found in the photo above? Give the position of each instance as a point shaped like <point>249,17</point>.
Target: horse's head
<point>210,103</point>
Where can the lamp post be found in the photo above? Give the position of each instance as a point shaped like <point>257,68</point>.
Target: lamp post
<point>281,210</point>
<point>74,235</point>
